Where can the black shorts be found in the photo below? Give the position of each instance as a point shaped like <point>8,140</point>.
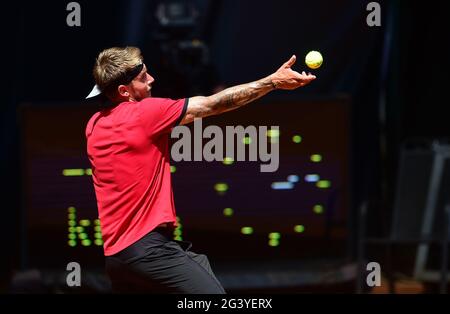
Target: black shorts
<point>158,264</point>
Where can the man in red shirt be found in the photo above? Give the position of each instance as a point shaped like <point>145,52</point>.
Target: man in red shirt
<point>128,147</point>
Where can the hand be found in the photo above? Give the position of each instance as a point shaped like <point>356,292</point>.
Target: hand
<point>286,78</point>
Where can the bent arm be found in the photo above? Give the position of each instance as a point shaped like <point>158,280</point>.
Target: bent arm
<point>240,95</point>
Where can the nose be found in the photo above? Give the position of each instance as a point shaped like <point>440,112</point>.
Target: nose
<point>150,79</point>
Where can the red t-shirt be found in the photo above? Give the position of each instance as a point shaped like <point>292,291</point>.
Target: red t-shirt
<point>128,147</point>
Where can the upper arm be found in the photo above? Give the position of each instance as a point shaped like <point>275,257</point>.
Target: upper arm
<point>197,108</point>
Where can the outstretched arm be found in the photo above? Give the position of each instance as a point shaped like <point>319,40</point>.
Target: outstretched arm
<point>237,96</point>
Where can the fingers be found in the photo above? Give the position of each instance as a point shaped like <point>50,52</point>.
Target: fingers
<point>309,75</point>
<point>309,78</point>
<point>291,62</point>
<point>304,76</point>
<point>305,79</point>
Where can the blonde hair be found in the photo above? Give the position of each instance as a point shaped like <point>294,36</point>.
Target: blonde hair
<point>111,64</point>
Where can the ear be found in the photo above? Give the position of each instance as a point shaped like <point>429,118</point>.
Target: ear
<point>123,91</point>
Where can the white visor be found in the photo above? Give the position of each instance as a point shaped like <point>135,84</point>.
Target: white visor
<point>94,92</point>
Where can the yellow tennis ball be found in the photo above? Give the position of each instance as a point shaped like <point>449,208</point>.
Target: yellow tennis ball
<point>313,59</point>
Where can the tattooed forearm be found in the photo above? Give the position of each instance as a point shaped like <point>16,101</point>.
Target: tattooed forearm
<point>237,96</point>
<point>228,99</point>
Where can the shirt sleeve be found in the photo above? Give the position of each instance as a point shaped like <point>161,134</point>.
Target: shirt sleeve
<point>160,115</point>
